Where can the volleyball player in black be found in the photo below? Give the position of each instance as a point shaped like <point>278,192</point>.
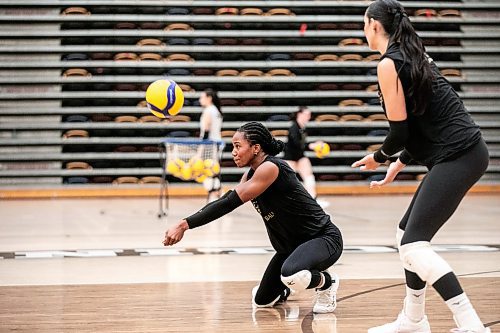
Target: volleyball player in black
<point>431,126</point>
<point>307,243</point>
<point>295,147</point>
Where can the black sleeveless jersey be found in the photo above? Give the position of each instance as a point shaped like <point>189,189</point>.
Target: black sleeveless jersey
<point>290,214</point>
<point>446,128</point>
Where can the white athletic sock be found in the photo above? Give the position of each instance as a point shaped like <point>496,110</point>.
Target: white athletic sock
<point>322,281</point>
<point>464,313</point>
<point>414,305</point>
<point>310,185</point>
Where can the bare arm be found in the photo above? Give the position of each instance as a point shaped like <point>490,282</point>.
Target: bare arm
<point>205,123</point>
<point>264,176</point>
<point>394,100</point>
<point>244,177</point>
<point>392,90</point>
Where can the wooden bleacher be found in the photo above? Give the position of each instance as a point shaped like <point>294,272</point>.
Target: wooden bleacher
<point>41,40</point>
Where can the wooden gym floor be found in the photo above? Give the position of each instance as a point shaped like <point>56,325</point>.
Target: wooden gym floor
<point>97,265</point>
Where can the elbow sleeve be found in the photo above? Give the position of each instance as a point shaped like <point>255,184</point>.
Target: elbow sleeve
<point>394,142</point>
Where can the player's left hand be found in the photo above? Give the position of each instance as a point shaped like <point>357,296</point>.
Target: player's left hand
<point>175,233</point>
<point>366,163</point>
<point>313,145</point>
<point>392,172</point>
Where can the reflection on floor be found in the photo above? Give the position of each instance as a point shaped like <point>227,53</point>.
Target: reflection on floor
<point>94,265</point>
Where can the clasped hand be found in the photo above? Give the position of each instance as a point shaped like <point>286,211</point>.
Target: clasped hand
<point>175,233</point>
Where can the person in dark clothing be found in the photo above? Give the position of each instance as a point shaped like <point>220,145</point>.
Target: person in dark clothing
<point>295,147</point>
<point>306,241</point>
<point>431,126</point>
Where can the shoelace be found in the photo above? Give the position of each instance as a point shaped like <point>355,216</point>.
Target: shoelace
<point>324,296</point>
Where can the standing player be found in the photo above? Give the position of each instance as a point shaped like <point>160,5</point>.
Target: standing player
<point>211,116</point>
<point>430,123</point>
<point>295,147</point>
<point>307,243</point>
<point>210,128</point>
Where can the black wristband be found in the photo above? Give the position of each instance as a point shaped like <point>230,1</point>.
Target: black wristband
<point>405,157</point>
<point>212,211</point>
<point>380,157</point>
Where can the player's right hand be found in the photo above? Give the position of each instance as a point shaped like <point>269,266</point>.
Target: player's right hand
<point>175,233</point>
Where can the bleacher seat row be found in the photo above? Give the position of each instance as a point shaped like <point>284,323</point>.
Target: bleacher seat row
<point>73,76</point>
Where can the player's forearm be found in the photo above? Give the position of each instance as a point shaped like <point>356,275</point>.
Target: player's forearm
<point>394,142</point>
<point>214,210</point>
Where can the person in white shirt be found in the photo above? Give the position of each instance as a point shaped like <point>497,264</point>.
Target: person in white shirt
<point>210,129</point>
<point>211,116</point>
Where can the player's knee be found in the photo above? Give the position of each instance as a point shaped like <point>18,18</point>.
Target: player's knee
<point>297,281</point>
<point>420,258</point>
<point>260,301</point>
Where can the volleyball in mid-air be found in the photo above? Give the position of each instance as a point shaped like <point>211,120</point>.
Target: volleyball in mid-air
<point>164,97</point>
<point>322,149</point>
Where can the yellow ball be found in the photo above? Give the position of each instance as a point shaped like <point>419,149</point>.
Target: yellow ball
<point>175,167</point>
<point>186,172</point>
<point>322,149</point>
<point>197,166</point>
<point>212,167</point>
<point>164,97</point>
<point>200,178</point>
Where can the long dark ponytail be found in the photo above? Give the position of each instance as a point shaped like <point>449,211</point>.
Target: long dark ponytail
<point>215,99</point>
<point>392,16</point>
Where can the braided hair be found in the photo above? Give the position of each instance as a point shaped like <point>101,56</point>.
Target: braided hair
<point>392,16</point>
<point>256,133</point>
